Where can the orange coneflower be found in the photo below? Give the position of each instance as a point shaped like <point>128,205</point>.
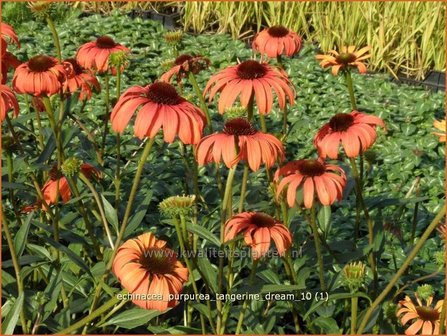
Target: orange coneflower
<point>440,125</point>
<point>240,141</point>
<point>313,178</point>
<point>276,41</point>
<point>8,61</point>
<point>259,229</point>
<point>183,65</point>
<point>355,131</point>
<point>8,101</point>
<point>423,316</point>
<point>79,79</point>
<point>348,57</point>
<point>160,106</point>
<point>59,182</point>
<point>95,55</point>
<point>249,80</point>
<point>7,32</point>
<point>40,76</point>
<point>145,266</point>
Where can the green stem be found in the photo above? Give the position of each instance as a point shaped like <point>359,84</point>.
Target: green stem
<point>90,317</point>
<point>100,207</point>
<point>106,118</point>
<point>359,194</point>
<point>224,216</point>
<point>354,306</point>
<point>350,89</point>
<point>392,282</point>
<point>203,105</point>
<point>313,225</point>
<point>244,187</point>
<point>133,193</point>
<point>181,239</point>
<point>56,131</point>
<point>56,41</point>
<point>118,146</point>
<point>263,124</point>
<point>246,301</point>
<point>16,265</point>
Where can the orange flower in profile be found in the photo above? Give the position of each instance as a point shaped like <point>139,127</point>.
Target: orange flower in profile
<point>183,65</point>
<point>40,76</point>
<point>94,55</point>
<point>240,141</point>
<point>8,101</point>
<point>249,80</point>
<point>7,32</point>
<point>259,229</point>
<point>276,41</point>
<point>355,131</point>
<point>348,57</point>
<point>160,106</point>
<point>422,316</point>
<point>313,178</point>
<point>79,79</point>
<point>8,61</point>
<point>146,267</point>
<point>440,125</point>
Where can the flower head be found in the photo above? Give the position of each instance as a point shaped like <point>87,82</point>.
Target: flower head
<point>79,79</point>
<point>440,125</point>
<point>312,178</point>
<point>7,34</point>
<point>177,205</point>
<point>94,55</point>
<point>40,76</point>
<point>8,101</point>
<point>259,230</point>
<point>354,274</point>
<point>159,106</point>
<point>240,141</point>
<point>276,41</point>
<point>442,229</point>
<point>250,80</point>
<point>183,65</point>
<point>144,265</point>
<point>348,57</point>
<point>355,131</point>
<point>423,317</point>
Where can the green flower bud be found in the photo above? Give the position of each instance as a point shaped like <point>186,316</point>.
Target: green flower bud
<point>425,291</point>
<point>439,258</point>
<point>119,59</point>
<point>173,37</point>
<point>235,112</point>
<point>354,274</point>
<point>176,205</point>
<point>71,166</point>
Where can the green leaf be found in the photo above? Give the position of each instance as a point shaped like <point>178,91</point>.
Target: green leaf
<point>10,321</point>
<point>70,254</point>
<point>324,218</point>
<point>208,272</point>
<point>337,296</point>
<point>327,324</point>
<point>22,235</point>
<point>203,233</point>
<point>110,212</point>
<point>140,212</point>
<point>132,318</point>
<point>279,288</point>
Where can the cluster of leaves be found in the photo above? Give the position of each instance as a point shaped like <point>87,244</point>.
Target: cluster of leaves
<point>406,152</point>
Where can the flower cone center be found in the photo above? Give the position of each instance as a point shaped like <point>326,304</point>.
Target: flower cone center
<point>341,122</point>
<point>239,126</point>
<point>278,31</point>
<point>41,63</point>
<point>311,168</point>
<point>158,260</point>
<point>182,59</point>
<point>163,93</point>
<point>105,42</point>
<point>76,67</point>
<point>345,58</point>
<point>251,70</point>
<point>262,220</point>
<point>428,314</point>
